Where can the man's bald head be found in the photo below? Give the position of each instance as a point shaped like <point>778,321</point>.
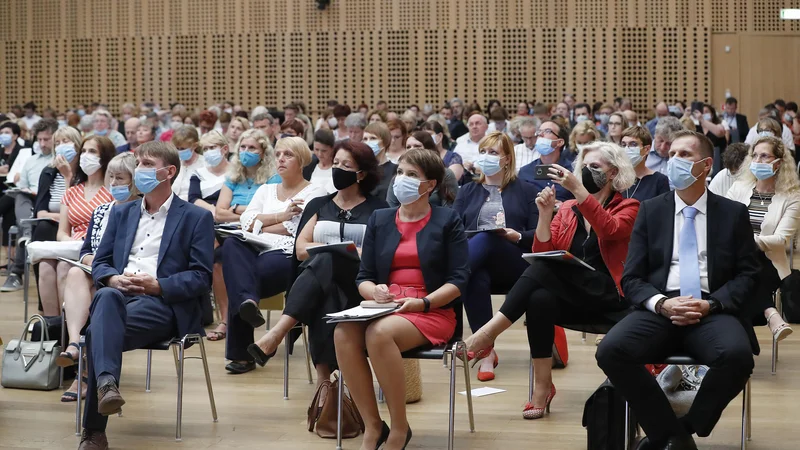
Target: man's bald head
<point>131,125</point>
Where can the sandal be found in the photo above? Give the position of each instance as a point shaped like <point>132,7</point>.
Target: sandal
<point>782,331</point>
<point>69,396</point>
<point>65,358</point>
<point>217,335</point>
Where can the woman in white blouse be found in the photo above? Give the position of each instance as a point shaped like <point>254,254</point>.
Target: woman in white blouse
<point>251,274</point>
<point>206,182</point>
<point>771,191</point>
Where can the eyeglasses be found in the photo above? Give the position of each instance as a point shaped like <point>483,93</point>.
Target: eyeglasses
<point>400,292</point>
<point>545,131</point>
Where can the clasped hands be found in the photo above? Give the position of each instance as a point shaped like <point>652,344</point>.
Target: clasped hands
<point>685,310</point>
<point>138,284</point>
<point>381,294</point>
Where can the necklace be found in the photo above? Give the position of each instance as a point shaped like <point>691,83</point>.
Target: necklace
<point>758,194</point>
<point>638,182</point>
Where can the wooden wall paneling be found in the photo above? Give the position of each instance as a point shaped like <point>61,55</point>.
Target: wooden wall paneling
<point>5,84</point>
<point>397,48</point>
<point>725,69</point>
<point>492,66</point>
<point>761,80</point>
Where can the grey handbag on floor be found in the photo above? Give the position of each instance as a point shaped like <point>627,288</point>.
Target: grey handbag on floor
<point>31,364</point>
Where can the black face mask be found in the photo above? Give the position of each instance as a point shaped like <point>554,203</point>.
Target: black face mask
<point>343,179</point>
<point>594,180</point>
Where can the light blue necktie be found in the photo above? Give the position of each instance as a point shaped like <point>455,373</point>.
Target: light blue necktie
<point>687,256</point>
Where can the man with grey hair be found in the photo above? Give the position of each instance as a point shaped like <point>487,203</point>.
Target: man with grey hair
<point>102,126</point>
<point>458,109</point>
<point>659,151</point>
<point>524,152</point>
<point>131,127</point>
<point>266,123</point>
<point>467,145</point>
<point>86,125</point>
<point>355,124</point>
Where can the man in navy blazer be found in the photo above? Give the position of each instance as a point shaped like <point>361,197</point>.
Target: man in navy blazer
<point>151,271</point>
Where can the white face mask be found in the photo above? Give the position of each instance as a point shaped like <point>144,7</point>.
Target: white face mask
<point>90,163</point>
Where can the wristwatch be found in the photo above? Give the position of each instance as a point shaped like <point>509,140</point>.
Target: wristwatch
<point>714,306</point>
<point>427,304</point>
<point>659,304</point>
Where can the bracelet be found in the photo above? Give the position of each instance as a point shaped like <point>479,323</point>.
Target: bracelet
<point>659,305</point>
<point>427,304</point>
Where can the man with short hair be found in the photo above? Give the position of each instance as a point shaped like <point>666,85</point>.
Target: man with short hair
<point>659,153</point>
<point>458,109</point>
<point>569,100</point>
<point>23,202</point>
<point>772,112</point>
<point>265,122</point>
<point>101,123</point>
<point>467,145</point>
<point>525,152</point>
<point>692,265</point>
<point>455,126</point>
<point>581,112</point>
<point>151,271</point>
<point>290,112</point>
<point>562,109</point>
<point>631,117</point>
<point>661,110</point>
<point>86,124</point>
<point>551,142</point>
<point>381,105</point>
<point>30,117</point>
<point>625,104</point>
<point>737,123</point>
<point>131,130</point>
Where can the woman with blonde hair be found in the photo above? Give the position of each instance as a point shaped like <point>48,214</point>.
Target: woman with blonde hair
<point>235,129</point>
<point>595,227</point>
<point>78,286</point>
<point>206,183</point>
<point>504,208</point>
<point>250,274</point>
<point>771,191</point>
<point>584,133</point>
<point>251,165</point>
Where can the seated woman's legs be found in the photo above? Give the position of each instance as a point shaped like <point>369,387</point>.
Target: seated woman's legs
<point>544,311</point>
<point>386,338</point>
<point>350,341</point>
<point>78,294</point>
<point>221,299</point>
<point>48,287</point>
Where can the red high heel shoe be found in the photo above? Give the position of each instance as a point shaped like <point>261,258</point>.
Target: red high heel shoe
<point>487,376</point>
<point>532,413</point>
<point>480,354</point>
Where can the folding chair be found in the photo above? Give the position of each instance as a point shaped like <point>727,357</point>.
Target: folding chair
<point>277,303</point>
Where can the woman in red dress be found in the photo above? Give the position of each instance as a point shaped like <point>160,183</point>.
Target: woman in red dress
<point>415,255</point>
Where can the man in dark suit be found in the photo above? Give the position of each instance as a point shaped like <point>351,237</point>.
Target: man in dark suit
<point>691,266</point>
<point>151,271</point>
<point>737,123</point>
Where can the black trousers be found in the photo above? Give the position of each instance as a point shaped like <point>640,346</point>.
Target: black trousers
<point>249,275</point>
<point>8,215</point>
<point>768,283</point>
<point>326,284</point>
<point>551,293</point>
<point>718,341</point>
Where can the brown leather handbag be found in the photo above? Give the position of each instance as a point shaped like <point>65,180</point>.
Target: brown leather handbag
<point>322,412</point>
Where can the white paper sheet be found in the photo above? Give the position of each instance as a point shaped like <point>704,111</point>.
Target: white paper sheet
<point>480,392</point>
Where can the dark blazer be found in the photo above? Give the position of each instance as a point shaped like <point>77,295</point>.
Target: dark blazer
<point>185,256</point>
<point>742,126</point>
<point>527,174</point>
<point>733,266</point>
<point>309,169</point>
<point>519,205</point>
<point>43,191</point>
<point>457,129</point>
<point>126,147</point>
<point>442,246</point>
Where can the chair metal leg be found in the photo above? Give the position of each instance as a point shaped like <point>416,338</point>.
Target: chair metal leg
<point>147,376</point>
<point>208,378</point>
<point>268,317</point>
<point>285,365</point>
<point>175,355</point>
<point>583,337</point>
<point>26,281</point>
<point>339,412</point>
<point>64,344</point>
<point>628,444</point>
<point>181,351</point>
<point>749,411</point>
<point>774,356</point>
<point>468,383</point>
<point>308,354</point>
<point>530,381</point>
<point>744,415</point>
<point>80,388</point>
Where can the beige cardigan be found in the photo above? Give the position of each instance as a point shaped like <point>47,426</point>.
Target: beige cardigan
<point>779,226</point>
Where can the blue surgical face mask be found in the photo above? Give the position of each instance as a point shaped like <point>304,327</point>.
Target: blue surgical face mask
<point>249,159</point>
<point>762,171</point>
<point>5,140</point>
<point>67,151</point>
<point>81,112</point>
<point>766,134</point>
<point>489,164</point>
<point>185,154</point>
<point>375,146</point>
<point>121,193</point>
<point>213,157</point>
<point>101,132</point>
<point>406,189</point>
<point>544,146</point>
<point>707,117</point>
<point>581,118</point>
<point>62,123</point>
<point>146,180</point>
<point>634,154</point>
<point>679,171</point>
<point>603,118</point>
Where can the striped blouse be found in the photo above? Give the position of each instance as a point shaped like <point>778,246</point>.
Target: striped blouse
<point>759,203</point>
<point>57,190</point>
<point>80,210</point>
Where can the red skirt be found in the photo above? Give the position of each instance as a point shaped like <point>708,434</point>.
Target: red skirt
<point>437,325</point>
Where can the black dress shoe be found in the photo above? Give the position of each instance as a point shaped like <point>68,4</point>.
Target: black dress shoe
<point>250,313</point>
<point>237,368</point>
<point>645,444</point>
<point>384,435</point>
<point>260,357</point>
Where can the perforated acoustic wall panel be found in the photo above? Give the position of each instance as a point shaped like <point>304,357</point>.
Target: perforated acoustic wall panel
<point>61,52</point>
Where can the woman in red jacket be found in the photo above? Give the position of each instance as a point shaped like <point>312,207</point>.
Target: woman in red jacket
<point>596,228</point>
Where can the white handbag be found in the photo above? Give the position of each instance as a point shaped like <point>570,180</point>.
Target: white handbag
<point>39,250</point>
<point>31,365</point>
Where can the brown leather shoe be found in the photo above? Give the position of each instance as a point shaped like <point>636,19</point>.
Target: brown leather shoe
<point>109,400</point>
<point>93,440</point>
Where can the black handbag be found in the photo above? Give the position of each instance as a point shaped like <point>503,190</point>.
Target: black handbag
<point>790,297</point>
<point>604,419</point>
